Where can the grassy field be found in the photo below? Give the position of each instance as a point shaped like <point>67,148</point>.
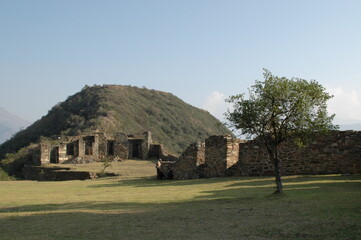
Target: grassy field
<point>135,205</point>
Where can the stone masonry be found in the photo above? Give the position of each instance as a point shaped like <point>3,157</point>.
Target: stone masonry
<point>96,147</point>
<point>338,152</point>
<point>220,155</point>
<point>191,158</point>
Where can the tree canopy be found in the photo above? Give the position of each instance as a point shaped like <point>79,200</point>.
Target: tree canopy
<point>279,109</point>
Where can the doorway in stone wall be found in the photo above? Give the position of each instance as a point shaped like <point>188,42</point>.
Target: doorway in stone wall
<point>88,144</point>
<point>136,148</point>
<point>110,148</point>
<point>54,155</point>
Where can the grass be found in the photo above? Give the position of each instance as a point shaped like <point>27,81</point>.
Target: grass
<point>137,206</point>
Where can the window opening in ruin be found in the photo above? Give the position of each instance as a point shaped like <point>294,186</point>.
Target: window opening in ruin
<point>155,151</point>
<point>88,141</point>
<point>70,149</point>
<point>54,155</point>
<point>110,148</point>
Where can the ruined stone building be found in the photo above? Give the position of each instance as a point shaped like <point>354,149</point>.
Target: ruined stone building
<point>218,156</point>
<point>97,147</point>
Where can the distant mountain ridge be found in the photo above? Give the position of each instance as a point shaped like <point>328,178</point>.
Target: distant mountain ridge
<point>116,108</point>
<point>355,127</point>
<point>10,124</point>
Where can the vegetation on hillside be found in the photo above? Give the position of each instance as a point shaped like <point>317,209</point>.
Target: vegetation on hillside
<point>114,108</point>
<point>14,162</point>
<point>4,176</point>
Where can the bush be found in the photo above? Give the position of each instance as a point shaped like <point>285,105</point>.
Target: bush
<point>4,176</point>
<point>14,162</point>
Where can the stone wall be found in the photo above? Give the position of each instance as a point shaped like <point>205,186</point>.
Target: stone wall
<point>339,152</point>
<point>147,136</point>
<point>54,174</point>
<point>44,154</point>
<point>62,153</point>
<point>221,153</point>
<point>121,146</point>
<point>187,165</point>
<point>103,145</point>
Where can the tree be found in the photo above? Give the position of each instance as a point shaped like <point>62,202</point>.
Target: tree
<point>280,109</point>
<point>106,162</point>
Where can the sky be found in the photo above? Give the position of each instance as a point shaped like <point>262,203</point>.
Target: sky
<point>200,50</point>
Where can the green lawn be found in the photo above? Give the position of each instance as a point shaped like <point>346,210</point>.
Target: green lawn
<point>136,206</point>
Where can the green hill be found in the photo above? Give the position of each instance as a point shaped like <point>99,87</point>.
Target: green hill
<point>114,108</point>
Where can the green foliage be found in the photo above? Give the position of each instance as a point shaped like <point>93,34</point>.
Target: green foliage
<point>4,176</point>
<point>113,108</point>
<point>14,162</point>
<point>280,109</point>
<point>106,162</point>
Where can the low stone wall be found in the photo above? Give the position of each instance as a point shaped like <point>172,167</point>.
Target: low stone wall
<point>187,165</point>
<point>54,174</point>
<point>338,152</point>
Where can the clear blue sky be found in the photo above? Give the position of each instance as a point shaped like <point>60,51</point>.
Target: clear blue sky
<point>201,51</point>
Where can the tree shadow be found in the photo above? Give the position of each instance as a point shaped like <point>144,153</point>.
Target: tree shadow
<point>152,182</point>
<point>244,209</point>
<point>222,214</point>
<point>263,189</point>
<point>241,180</point>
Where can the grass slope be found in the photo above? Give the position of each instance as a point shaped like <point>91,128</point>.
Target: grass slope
<point>113,108</point>
<point>135,207</point>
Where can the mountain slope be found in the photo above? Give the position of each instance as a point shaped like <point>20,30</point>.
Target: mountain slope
<point>112,108</point>
<point>9,124</point>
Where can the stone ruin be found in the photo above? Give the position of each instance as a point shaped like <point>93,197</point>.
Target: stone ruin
<point>86,148</point>
<point>96,147</point>
<point>219,156</point>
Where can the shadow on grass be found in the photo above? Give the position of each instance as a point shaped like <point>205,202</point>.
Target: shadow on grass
<point>152,182</point>
<point>296,188</point>
<point>243,209</point>
<point>211,220</point>
<point>230,213</point>
<point>240,182</point>
<point>244,189</point>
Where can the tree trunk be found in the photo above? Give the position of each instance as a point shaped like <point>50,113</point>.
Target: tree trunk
<point>277,167</point>
<point>273,155</point>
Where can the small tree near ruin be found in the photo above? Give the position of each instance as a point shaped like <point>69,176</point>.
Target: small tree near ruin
<point>279,109</point>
